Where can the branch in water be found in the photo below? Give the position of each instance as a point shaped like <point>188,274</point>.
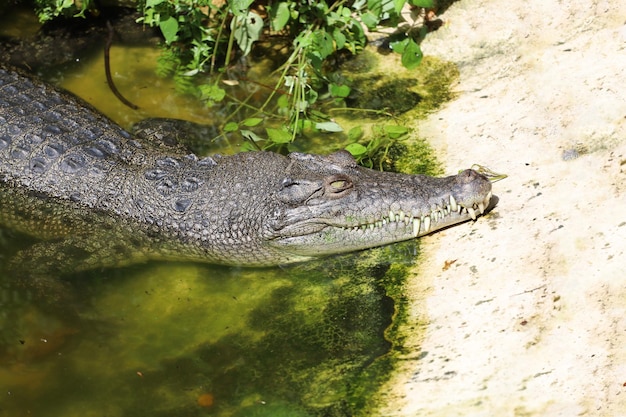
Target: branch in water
<point>107,69</point>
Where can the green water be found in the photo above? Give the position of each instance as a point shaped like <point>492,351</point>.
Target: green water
<point>157,339</point>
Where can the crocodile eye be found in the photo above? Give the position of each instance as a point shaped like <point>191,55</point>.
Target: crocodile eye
<point>338,184</point>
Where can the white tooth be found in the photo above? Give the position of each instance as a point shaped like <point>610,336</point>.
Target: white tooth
<point>472,213</point>
<point>401,216</point>
<point>392,217</point>
<point>481,207</point>
<point>453,205</point>
<point>408,219</point>
<point>416,227</point>
<point>384,222</point>
<point>426,221</point>
<point>371,226</point>
<point>488,197</point>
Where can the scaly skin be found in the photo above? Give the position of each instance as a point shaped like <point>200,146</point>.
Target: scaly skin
<point>97,196</point>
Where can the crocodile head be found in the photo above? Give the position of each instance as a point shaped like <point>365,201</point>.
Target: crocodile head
<point>331,205</point>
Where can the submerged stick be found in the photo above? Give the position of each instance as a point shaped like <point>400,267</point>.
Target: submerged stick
<point>107,69</point>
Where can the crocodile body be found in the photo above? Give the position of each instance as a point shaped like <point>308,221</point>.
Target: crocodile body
<point>95,195</point>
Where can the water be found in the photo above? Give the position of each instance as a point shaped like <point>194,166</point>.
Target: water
<point>188,340</point>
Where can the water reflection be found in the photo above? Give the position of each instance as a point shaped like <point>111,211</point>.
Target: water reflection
<point>187,339</point>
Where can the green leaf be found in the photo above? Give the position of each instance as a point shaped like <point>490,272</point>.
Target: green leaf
<point>412,55</point>
<point>399,46</point>
<point>356,149</point>
<point>340,38</point>
<point>212,93</point>
<point>427,4</point>
<point>278,135</point>
<point>305,124</point>
<point>239,7</point>
<point>247,147</point>
<point>252,121</point>
<point>395,131</point>
<point>398,5</point>
<point>374,4</point>
<point>169,28</point>
<point>247,30</point>
<point>328,127</point>
<point>231,127</point>
<point>355,133</point>
<point>152,3</point>
<point>250,135</point>
<point>280,16</point>
<point>369,19</point>
<point>341,91</point>
<point>283,101</point>
<point>324,43</point>
<point>358,32</point>
<point>311,96</point>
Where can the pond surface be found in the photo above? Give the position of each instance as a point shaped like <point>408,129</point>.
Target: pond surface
<point>173,339</point>
<point>182,339</point>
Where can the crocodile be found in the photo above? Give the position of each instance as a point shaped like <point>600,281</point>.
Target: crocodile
<point>95,195</point>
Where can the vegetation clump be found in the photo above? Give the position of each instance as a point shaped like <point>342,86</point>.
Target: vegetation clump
<point>205,40</point>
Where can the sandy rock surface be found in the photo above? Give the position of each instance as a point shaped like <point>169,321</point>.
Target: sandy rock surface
<point>525,309</point>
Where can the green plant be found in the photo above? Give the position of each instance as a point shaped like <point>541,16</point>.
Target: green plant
<point>377,149</point>
<point>205,36</point>
<point>49,9</point>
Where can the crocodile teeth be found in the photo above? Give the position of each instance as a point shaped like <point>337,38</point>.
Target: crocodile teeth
<point>453,205</point>
<point>416,227</point>
<point>426,221</point>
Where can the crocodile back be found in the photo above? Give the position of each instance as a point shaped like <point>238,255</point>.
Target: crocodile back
<point>54,143</point>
